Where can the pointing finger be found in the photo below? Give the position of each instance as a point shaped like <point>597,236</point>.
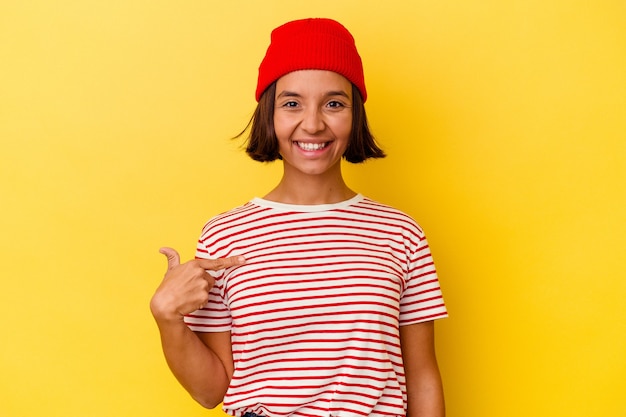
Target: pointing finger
<point>221,263</point>
<point>173,258</point>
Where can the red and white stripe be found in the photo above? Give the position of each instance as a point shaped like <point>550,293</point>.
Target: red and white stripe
<point>315,311</point>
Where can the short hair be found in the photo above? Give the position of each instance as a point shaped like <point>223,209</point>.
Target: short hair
<point>262,143</point>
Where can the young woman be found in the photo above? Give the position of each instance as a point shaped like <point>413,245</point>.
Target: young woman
<point>313,300</point>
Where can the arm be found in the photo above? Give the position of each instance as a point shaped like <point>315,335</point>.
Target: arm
<point>423,380</point>
<point>196,366</point>
<point>202,363</point>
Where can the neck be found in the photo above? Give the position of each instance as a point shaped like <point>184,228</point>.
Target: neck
<point>310,189</point>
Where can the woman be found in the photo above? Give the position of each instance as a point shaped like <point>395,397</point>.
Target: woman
<point>313,300</point>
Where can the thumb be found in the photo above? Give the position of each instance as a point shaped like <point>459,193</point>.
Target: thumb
<point>173,258</point>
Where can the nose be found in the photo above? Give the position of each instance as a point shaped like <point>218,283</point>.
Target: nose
<point>313,120</point>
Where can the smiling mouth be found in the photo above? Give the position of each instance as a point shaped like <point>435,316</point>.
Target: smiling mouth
<point>311,146</point>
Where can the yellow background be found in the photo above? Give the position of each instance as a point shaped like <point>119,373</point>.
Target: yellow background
<point>505,126</point>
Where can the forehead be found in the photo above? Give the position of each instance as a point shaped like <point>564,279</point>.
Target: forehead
<point>314,82</point>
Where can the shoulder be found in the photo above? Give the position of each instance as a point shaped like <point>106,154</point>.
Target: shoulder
<point>390,214</point>
<point>230,216</point>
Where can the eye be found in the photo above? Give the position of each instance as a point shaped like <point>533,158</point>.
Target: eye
<point>335,104</point>
<point>290,104</point>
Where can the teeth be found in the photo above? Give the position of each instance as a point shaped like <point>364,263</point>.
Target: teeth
<point>311,146</point>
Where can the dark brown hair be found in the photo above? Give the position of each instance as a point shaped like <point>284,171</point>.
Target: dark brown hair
<point>262,144</point>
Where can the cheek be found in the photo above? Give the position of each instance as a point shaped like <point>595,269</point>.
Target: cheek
<point>282,128</point>
<point>343,129</point>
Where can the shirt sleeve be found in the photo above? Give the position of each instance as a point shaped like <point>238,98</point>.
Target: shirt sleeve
<point>421,299</point>
<point>215,316</point>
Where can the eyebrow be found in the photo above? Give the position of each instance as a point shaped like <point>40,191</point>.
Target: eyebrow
<point>287,93</point>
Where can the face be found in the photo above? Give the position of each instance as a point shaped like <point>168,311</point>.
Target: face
<point>313,121</point>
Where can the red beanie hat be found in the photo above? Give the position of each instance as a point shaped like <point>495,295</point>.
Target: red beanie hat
<point>316,43</point>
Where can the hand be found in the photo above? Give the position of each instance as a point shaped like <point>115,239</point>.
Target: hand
<point>185,288</point>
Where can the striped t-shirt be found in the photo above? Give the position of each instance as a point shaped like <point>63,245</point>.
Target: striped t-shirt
<point>314,313</point>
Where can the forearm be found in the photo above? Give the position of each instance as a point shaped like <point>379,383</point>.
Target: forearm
<point>425,396</point>
<point>198,369</point>
<point>423,380</point>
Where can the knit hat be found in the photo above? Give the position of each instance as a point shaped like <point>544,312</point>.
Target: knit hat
<point>313,43</point>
